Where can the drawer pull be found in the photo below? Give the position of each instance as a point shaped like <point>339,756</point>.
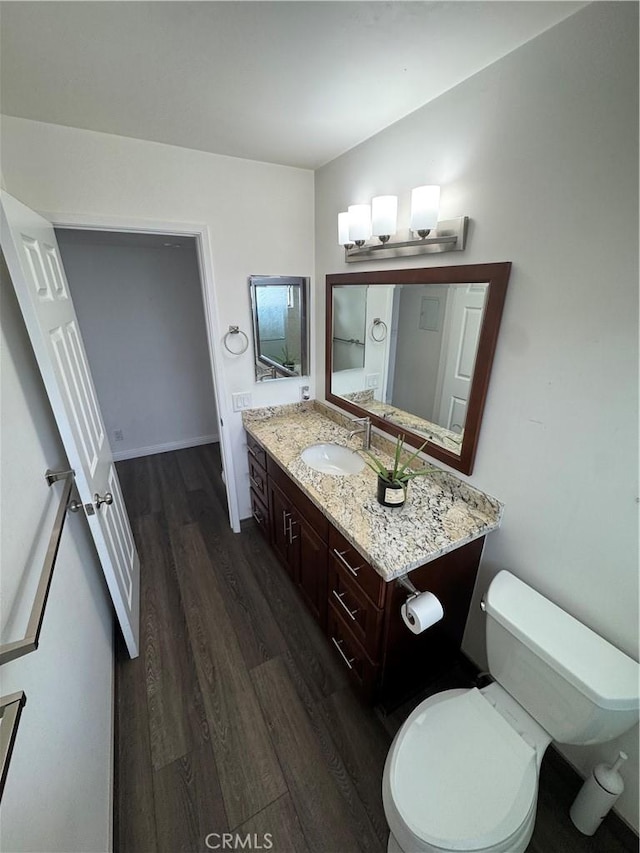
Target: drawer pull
<point>258,516</point>
<point>256,485</point>
<point>352,613</point>
<point>348,661</point>
<point>340,555</point>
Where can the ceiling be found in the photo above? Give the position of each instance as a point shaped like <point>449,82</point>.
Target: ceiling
<point>296,83</point>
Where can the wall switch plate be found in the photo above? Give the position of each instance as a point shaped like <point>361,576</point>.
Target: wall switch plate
<point>241,400</point>
<point>372,380</point>
<point>304,393</point>
<point>118,435</point>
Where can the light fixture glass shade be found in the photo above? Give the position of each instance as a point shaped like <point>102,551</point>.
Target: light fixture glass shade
<point>343,229</point>
<point>384,215</point>
<point>425,202</point>
<point>359,222</point>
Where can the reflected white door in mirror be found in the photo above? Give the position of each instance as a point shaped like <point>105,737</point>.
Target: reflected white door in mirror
<point>413,350</point>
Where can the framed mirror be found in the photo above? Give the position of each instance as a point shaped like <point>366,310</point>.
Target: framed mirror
<point>413,350</point>
<point>280,335</point>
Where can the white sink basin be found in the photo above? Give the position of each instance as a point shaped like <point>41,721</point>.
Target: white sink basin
<point>332,459</point>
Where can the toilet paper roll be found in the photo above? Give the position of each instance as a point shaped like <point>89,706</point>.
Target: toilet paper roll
<point>421,612</point>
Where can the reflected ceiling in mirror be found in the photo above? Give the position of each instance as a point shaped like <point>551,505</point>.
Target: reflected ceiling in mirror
<point>413,349</point>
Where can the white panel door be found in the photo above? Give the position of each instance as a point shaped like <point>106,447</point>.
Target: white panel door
<point>31,252</point>
<point>461,347</point>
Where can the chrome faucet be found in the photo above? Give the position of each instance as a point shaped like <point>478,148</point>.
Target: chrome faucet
<point>365,429</point>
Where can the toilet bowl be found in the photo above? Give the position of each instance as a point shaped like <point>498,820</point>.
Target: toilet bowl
<point>462,772</point>
<point>462,775</point>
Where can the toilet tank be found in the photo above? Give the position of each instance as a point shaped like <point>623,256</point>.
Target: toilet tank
<point>579,687</point>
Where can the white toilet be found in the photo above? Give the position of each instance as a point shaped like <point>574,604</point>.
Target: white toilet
<point>462,772</point>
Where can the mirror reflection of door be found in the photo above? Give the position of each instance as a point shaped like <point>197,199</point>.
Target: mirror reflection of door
<point>465,309</point>
<point>419,376</point>
<point>429,339</point>
<point>436,330</point>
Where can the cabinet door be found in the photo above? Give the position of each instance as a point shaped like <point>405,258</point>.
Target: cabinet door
<point>312,570</point>
<point>285,541</point>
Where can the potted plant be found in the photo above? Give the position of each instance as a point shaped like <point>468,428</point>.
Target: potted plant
<point>392,482</point>
<point>288,359</point>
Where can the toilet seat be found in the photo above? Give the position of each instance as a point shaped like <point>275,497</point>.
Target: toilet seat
<point>458,775</point>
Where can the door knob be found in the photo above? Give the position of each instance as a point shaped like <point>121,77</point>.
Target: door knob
<point>107,499</point>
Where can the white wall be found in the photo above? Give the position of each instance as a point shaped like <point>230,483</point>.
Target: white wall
<point>142,321</point>
<point>418,353</point>
<point>260,218</point>
<point>58,791</point>
<point>541,151</point>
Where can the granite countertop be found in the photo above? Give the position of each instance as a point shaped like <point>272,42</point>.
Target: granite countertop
<point>441,512</point>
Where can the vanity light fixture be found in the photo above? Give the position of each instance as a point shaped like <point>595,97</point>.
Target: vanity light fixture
<point>384,216</point>
<point>425,202</point>
<point>426,233</point>
<point>359,223</point>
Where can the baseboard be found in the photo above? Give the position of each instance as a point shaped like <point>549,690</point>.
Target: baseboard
<point>150,450</point>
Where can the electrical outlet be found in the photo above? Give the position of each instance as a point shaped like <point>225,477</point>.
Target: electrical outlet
<point>241,400</point>
<point>118,435</point>
<point>304,393</point>
<point>371,381</point>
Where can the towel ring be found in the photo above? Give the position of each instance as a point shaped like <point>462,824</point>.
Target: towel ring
<point>376,324</point>
<point>235,330</point>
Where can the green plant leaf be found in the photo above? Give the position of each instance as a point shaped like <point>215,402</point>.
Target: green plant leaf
<point>413,456</point>
<point>376,465</point>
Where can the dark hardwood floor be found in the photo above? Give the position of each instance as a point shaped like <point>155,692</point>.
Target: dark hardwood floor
<point>236,717</point>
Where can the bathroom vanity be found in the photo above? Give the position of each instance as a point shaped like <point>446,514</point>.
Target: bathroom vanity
<point>344,552</point>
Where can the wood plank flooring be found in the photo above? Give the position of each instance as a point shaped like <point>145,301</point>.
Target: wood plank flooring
<point>237,717</point>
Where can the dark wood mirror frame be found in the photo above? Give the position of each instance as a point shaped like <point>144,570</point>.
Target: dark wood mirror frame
<point>497,277</point>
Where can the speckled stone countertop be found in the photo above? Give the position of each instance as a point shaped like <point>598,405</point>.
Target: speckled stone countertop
<point>441,512</point>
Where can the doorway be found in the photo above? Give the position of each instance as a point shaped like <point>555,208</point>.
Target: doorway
<point>139,301</point>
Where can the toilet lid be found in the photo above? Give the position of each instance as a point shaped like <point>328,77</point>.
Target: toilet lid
<point>461,777</point>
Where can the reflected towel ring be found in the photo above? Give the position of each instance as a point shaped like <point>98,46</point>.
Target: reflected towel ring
<point>375,325</point>
<point>235,330</point>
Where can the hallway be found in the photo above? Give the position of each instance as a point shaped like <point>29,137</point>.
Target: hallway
<point>236,717</point>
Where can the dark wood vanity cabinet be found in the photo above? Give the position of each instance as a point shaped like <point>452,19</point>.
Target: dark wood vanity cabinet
<point>357,609</point>
<point>299,534</point>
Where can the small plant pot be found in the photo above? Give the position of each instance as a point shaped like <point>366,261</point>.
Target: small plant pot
<point>391,494</point>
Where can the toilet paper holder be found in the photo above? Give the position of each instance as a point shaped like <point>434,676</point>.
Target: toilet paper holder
<point>406,583</point>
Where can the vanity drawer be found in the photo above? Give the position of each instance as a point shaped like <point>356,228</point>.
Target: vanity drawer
<point>366,577</point>
<point>260,513</point>
<point>258,478</point>
<point>355,608</point>
<point>256,451</point>
<point>362,671</point>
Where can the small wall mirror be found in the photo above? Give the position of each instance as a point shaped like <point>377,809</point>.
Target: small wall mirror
<point>279,308</point>
<point>413,350</point>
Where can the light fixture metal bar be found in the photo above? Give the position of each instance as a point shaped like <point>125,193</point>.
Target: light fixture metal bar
<point>449,236</point>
